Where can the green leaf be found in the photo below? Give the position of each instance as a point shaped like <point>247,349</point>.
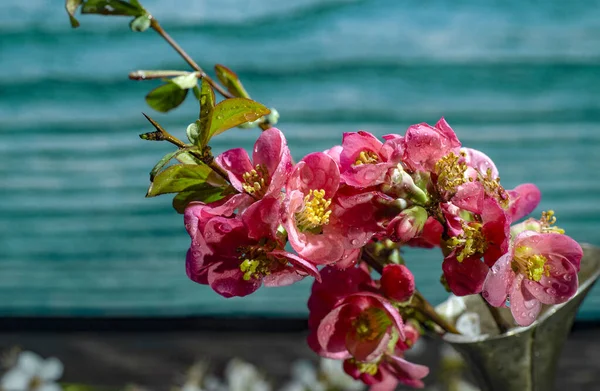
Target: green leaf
<point>112,7</point>
<point>167,158</point>
<point>166,97</point>
<point>233,112</point>
<point>72,6</point>
<point>196,91</point>
<point>186,81</point>
<point>231,81</point>
<point>140,24</point>
<point>207,105</point>
<point>188,158</point>
<point>184,177</point>
<point>210,194</point>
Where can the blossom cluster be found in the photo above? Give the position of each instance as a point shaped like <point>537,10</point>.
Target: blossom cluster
<point>318,216</point>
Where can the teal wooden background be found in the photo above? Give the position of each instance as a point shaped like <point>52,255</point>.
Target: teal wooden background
<point>519,80</point>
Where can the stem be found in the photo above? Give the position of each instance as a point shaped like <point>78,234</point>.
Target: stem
<point>147,75</point>
<point>423,305</point>
<point>216,168</point>
<point>158,28</point>
<point>164,134</point>
<point>502,324</point>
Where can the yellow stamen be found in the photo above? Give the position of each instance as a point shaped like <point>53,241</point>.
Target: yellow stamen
<point>450,172</point>
<point>493,188</point>
<point>547,221</point>
<point>315,212</point>
<point>533,266</point>
<point>366,157</point>
<point>471,240</point>
<point>371,323</point>
<point>370,368</point>
<point>256,181</point>
<point>255,262</point>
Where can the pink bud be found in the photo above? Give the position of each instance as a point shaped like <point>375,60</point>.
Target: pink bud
<point>397,282</point>
<point>407,225</point>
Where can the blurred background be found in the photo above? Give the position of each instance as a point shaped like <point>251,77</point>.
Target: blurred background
<point>516,79</point>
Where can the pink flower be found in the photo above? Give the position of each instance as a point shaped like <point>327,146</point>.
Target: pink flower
<point>386,374</point>
<point>236,255</point>
<point>364,160</point>
<point>266,174</point>
<point>360,326</point>
<point>431,235</point>
<point>486,236</point>
<point>310,189</point>
<point>424,145</point>
<point>540,268</point>
<point>397,283</point>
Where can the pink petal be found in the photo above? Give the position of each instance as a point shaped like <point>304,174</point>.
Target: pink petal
<point>365,175</point>
<point>236,162</point>
<point>283,277</point>
<point>470,197</point>
<point>271,150</point>
<point>523,305</point>
<point>448,132</point>
<point>391,311</point>
<point>331,334</point>
<point>195,267</point>
<point>480,161</point>
<point>298,263</point>
<point>466,277</point>
<point>408,370</point>
<point>498,281</point>
<point>523,200</point>
<point>263,218</point>
<point>228,281</point>
<point>315,172</point>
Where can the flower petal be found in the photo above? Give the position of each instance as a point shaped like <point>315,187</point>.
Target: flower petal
<point>331,334</point>
<point>523,305</point>
<point>466,277</point>
<point>236,162</point>
<point>315,171</point>
<point>15,379</point>
<point>52,369</point>
<point>298,263</point>
<point>557,288</point>
<point>29,362</point>
<point>523,200</point>
<point>498,281</point>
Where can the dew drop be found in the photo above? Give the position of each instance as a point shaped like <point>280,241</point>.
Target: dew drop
<point>567,277</point>
<point>353,242</point>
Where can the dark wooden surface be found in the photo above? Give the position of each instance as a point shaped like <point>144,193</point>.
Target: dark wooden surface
<point>158,358</point>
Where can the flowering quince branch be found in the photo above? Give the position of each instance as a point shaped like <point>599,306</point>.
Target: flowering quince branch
<point>260,219</point>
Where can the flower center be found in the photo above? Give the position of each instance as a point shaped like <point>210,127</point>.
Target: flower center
<point>255,261</point>
<point>450,172</point>
<point>35,383</point>
<point>534,266</point>
<point>471,240</point>
<point>315,212</point>
<point>547,221</point>
<point>370,368</point>
<point>371,323</point>
<point>366,157</point>
<point>256,181</point>
<point>493,188</point>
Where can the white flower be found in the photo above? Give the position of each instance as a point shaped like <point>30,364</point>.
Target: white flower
<point>242,376</point>
<point>331,376</point>
<point>469,324</point>
<point>33,373</point>
<point>452,307</point>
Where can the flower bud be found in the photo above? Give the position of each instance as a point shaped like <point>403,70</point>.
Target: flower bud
<point>407,225</point>
<point>397,282</point>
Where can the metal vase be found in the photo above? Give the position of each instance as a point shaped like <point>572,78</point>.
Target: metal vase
<point>524,358</point>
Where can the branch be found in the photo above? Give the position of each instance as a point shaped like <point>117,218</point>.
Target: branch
<point>158,28</point>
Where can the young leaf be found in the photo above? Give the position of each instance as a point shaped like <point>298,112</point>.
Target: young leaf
<point>210,194</point>
<point>186,81</point>
<point>166,97</point>
<point>231,81</point>
<point>112,7</point>
<point>233,112</point>
<point>72,6</point>
<point>140,24</point>
<point>184,177</point>
<point>207,105</point>
<point>193,131</point>
<point>188,158</point>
